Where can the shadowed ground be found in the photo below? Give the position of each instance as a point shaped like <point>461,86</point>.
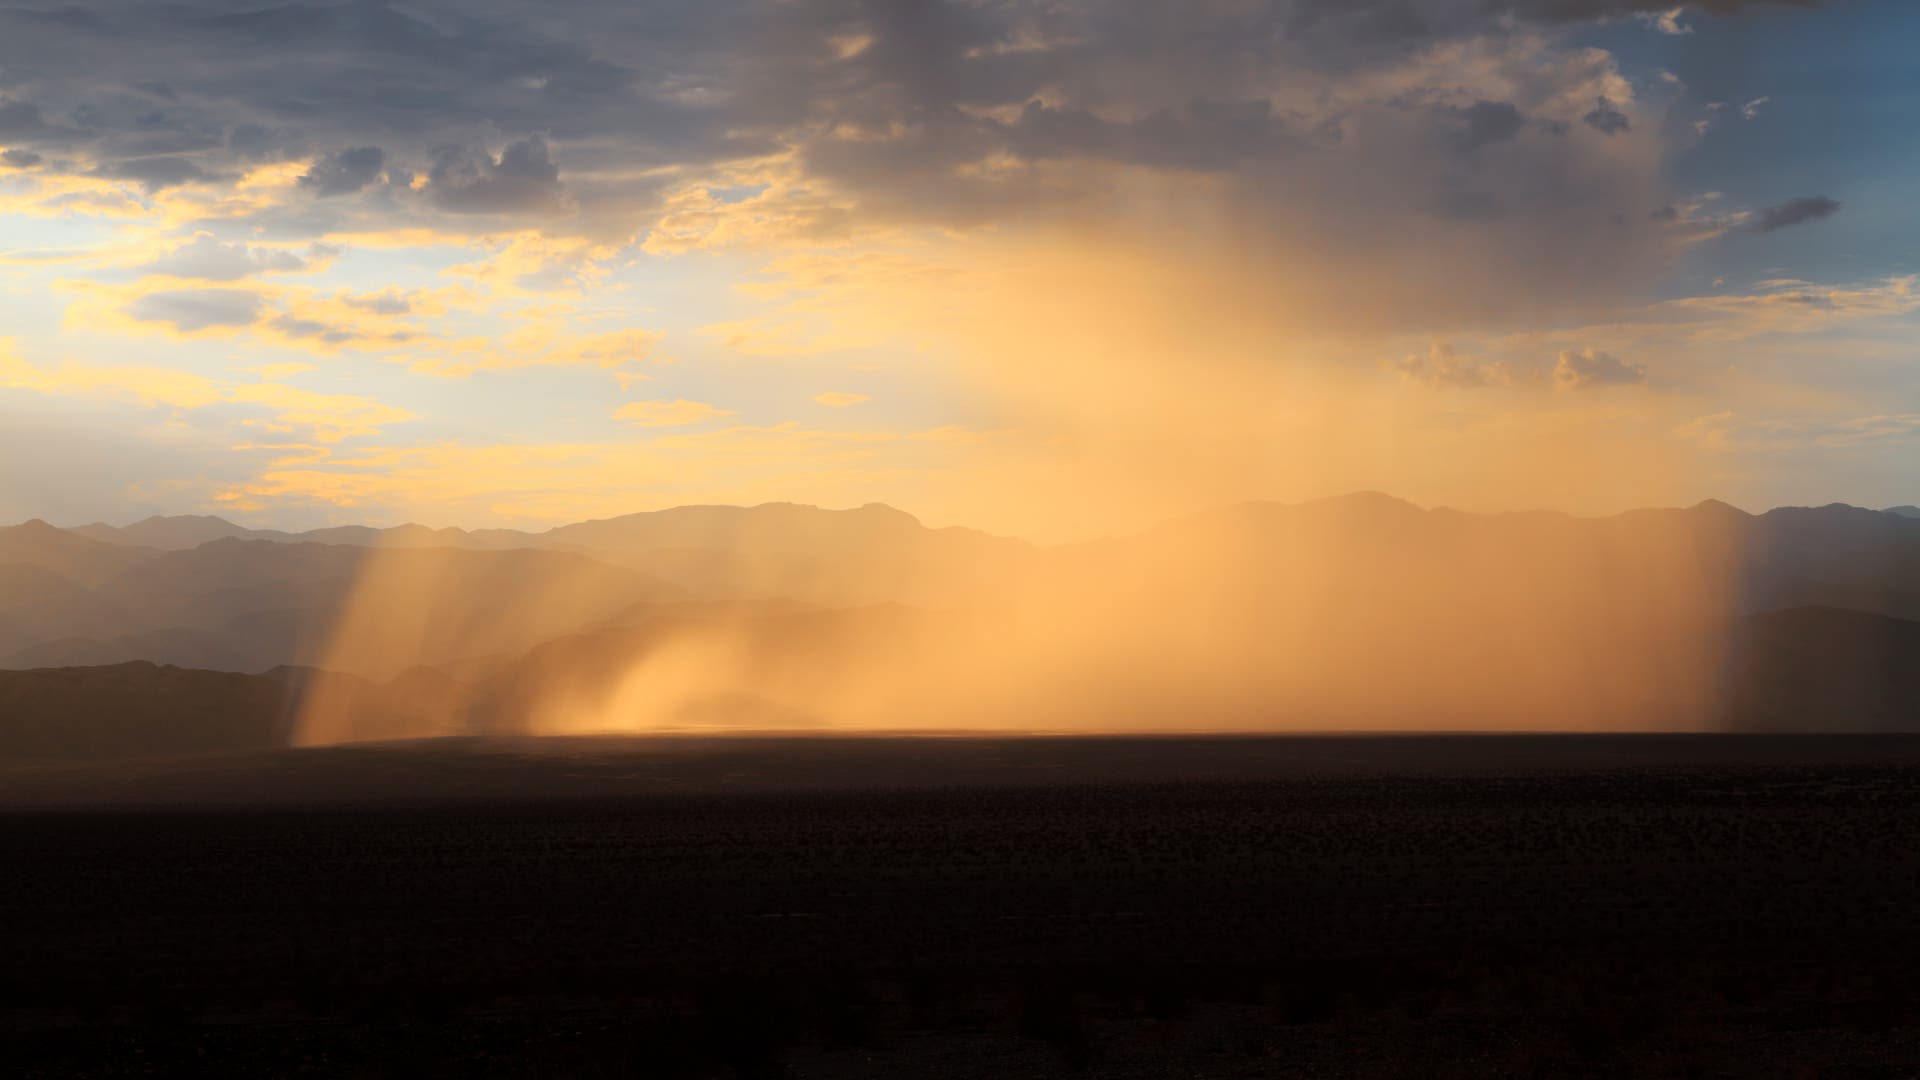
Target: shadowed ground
<point>822,906</point>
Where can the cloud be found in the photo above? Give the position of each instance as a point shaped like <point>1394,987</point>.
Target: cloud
<point>344,172</point>
<point>147,385</point>
<point>1606,119</point>
<point>522,179</point>
<point>194,310</point>
<point>676,413</point>
<point>1668,21</point>
<point>1751,110</point>
<point>836,399</point>
<point>16,158</point>
<point>1783,307</point>
<point>276,372</point>
<point>208,259</point>
<point>328,418</point>
<point>1282,172</point>
<point>541,345</point>
<point>314,331</point>
<point>1470,128</point>
<point>23,122</point>
<point>1730,432</point>
<point>381,303</point>
<point>157,173</point>
<point>1586,369</point>
<point>1795,212</point>
<point>1316,129</point>
<point>950,113</point>
<point>1441,366</point>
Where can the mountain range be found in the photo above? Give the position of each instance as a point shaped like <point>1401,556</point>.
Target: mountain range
<point>1361,610</point>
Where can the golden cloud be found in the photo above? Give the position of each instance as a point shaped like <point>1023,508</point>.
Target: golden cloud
<point>329,418</point>
<point>676,413</point>
<point>836,399</point>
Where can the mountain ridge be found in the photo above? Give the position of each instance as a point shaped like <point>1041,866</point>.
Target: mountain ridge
<point>1367,564</point>
<point>149,531</point>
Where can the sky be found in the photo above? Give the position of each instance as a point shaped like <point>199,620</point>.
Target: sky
<point>1053,268</point>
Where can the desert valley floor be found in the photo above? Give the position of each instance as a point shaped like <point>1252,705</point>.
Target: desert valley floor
<point>822,906</point>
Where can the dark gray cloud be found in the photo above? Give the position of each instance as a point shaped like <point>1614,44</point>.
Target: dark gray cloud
<point>258,142</point>
<point>1322,124</point>
<point>523,179</point>
<point>157,173</point>
<point>17,158</point>
<point>1346,26</point>
<point>24,122</point>
<point>1586,10</point>
<point>21,120</point>
<point>1795,212</point>
<point>197,309</point>
<point>680,82</point>
<point>1474,126</point>
<point>345,171</point>
<point>1204,135</point>
<point>1607,119</point>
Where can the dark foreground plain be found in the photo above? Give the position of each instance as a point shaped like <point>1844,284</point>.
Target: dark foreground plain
<point>1233,906</point>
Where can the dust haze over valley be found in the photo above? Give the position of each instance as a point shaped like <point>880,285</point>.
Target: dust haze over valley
<point>1357,613</point>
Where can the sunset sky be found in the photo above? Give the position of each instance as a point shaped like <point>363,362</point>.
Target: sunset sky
<point>1046,267</point>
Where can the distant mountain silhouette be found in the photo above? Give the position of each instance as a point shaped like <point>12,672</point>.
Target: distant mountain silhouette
<point>1825,669</point>
<point>870,554</point>
<point>167,533</point>
<point>252,604</point>
<point>254,641</point>
<point>1905,511</point>
<point>81,559</point>
<point>1836,555</point>
<point>867,555</point>
<point>38,604</point>
<point>140,709</point>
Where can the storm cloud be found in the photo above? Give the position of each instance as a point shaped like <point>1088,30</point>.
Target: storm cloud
<point>344,172</point>
<point>521,180</point>
<point>1317,126</point>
